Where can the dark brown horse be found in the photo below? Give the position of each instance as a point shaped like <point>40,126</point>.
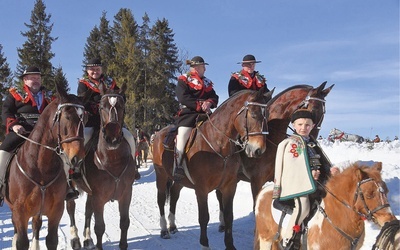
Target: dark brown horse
<point>213,159</point>
<point>257,171</point>
<point>110,172</point>
<point>357,194</point>
<point>37,182</point>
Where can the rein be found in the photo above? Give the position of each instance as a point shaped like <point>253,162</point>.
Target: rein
<point>237,142</point>
<point>358,193</point>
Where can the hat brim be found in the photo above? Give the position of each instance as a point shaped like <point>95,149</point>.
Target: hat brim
<point>197,64</point>
<point>252,61</point>
<point>30,73</point>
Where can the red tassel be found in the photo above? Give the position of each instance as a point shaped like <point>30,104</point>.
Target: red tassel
<point>296,228</point>
<point>70,171</point>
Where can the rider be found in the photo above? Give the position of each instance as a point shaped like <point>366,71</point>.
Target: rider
<point>20,112</point>
<point>88,91</point>
<point>195,95</point>
<point>247,78</point>
<point>300,163</point>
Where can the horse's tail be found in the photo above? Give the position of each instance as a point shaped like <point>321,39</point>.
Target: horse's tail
<point>168,191</point>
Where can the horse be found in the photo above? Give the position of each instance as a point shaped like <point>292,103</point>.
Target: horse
<point>37,183</point>
<point>336,134</point>
<point>109,170</point>
<point>389,236</point>
<point>143,151</point>
<point>355,195</point>
<point>212,159</point>
<point>258,171</point>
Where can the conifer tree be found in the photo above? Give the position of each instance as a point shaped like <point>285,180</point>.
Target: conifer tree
<point>36,51</point>
<point>125,65</point>
<point>5,83</point>
<point>59,77</point>
<point>164,66</point>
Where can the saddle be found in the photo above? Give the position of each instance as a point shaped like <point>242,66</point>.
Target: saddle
<point>169,140</point>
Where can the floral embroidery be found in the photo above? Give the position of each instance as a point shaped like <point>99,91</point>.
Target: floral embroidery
<point>247,81</point>
<point>294,150</point>
<point>197,83</point>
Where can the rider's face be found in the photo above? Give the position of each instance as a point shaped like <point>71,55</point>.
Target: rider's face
<point>94,72</point>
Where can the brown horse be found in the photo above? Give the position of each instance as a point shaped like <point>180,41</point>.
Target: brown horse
<point>257,171</point>
<point>110,172</point>
<point>356,194</point>
<point>213,160</point>
<point>37,182</point>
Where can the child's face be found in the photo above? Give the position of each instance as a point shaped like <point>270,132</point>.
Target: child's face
<point>303,126</point>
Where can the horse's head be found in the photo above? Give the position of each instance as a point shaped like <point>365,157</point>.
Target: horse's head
<point>66,114</point>
<point>251,120</point>
<point>112,113</point>
<point>367,192</point>
<point>282,106</point>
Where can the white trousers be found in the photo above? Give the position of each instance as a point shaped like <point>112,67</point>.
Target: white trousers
<point>181,140</point>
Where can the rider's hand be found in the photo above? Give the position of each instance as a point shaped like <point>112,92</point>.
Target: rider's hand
<point>19,129</point>
<point>205,106</point>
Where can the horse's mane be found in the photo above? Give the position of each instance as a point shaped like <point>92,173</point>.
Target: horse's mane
<point>355,172</point>
<point>300,86</point>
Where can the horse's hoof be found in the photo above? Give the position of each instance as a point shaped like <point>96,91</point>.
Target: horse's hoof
<point>221,229</point>
<point>88,244</point>
<point>76,244</point>
<point>173,230</point>
<point>165,235</point>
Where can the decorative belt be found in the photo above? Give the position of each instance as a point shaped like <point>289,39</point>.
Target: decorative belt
<point>30,115</point>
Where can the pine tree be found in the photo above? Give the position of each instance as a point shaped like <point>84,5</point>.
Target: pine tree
<point>36,51</point>
<point>5,83</point>
<point>59,77</point>
<point>163,65</point>
<point>125,65</point>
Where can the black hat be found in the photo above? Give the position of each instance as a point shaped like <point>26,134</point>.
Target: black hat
<point>32,70</point>
<point>302,113</point>
<point>93,62</point>
<point>197,60</point>
<point>249,59</point>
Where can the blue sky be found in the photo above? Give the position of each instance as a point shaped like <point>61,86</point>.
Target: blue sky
<point>352,44</point>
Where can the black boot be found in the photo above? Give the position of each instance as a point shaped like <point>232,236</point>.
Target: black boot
<point>179,174</point>
<point>72,193</point>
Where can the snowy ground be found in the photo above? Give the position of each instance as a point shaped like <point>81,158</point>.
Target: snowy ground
<point>144,227</point>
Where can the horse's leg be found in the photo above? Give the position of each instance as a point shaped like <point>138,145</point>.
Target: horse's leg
<point>204,216</point>
<point>88,241</point>
<point>20,222</point>
<point>36,225</point>
<point>75,241</point>
<point>124,221</point>
<point>99,226</point>
<point>175,191</point>
<point>221,227</point>
<point>228,194</point>
<point>162,194</point>
<point>54,218</point>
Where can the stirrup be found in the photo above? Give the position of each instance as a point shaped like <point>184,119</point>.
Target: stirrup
<point>72,194</point>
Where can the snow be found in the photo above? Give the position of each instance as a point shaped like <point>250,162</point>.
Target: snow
<point>144,230</point>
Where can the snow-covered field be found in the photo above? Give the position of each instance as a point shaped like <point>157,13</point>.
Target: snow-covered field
<point>144,229</point>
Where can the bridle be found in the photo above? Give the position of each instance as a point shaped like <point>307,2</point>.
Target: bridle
<point>80,111</point>
<point>358,195</point>
<point>113,111</point>
<point>306,102</point>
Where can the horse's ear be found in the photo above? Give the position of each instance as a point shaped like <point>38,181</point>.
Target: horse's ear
<point>269,94</point>
<point>377,166</point>
<point>325,92</point>
<point>61,91</point>
<point>123,88</point>
<point>102,88</point>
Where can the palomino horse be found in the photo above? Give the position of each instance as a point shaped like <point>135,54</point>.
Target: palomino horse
<point>257,171</point>
<point>37,181</point>
<point>337,134</point>
<point>356,194</point>
<point>110,172</point>
<point>212,159</point>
